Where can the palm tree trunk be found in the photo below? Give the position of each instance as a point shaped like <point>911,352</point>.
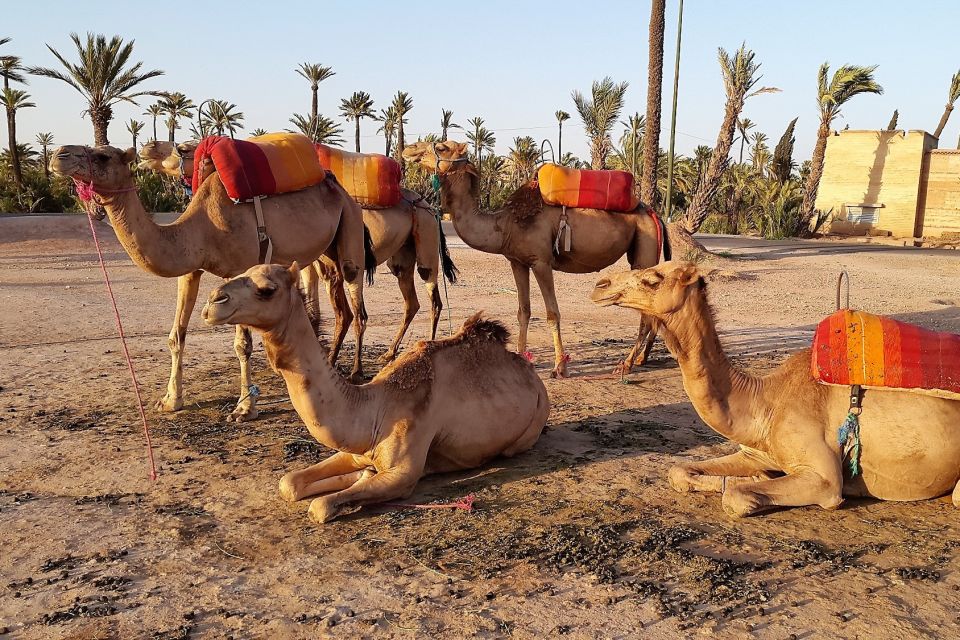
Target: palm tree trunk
<point>443,134</point>
<point>313,104</point>
<point>560,143</point>
<point>358,134</point>
<point>46,164</point>
<point>134,140</point>
<point>943,121</point>
<point>12,143</point>
<point>154,127</point>
<point>400,139</point>
<point>816,171</point>
<point>651,136</point>
<point>101,120</point>
<point>743,138</point>
<point>170,131</point>
<point>707,187</point>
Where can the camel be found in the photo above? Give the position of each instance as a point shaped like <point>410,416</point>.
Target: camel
<point>600,238</point>
<point>786,423</point>
<point>405,237</point>
<point>218,236</point>
<point>444,405</point>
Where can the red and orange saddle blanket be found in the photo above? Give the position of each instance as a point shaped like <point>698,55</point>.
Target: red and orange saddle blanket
<point>373,180</point>
<point>854,348</point>
<point>265,165</point>
<point>607,190</point>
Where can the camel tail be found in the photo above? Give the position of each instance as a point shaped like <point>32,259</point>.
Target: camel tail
<point>369,257</point>
<point>667,251</point>
<point>477,326</point>
<point>450,271</point>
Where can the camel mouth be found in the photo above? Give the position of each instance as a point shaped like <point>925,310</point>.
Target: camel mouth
<point>220,299</point>
<point>605,299</point>
<point>212,318</point>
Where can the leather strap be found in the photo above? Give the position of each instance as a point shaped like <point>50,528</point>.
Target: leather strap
<point>266,245</point>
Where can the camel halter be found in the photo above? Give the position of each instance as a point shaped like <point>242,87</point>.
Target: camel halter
<point>89,193</point>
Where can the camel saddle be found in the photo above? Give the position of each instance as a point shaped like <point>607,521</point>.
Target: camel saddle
<point>606,190</point>
<point>262,166</point>
<point>854,348</point>
<point>372,179</point>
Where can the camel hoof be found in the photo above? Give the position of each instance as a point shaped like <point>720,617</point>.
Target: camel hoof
<point>243,414</point>
<point>679,479</point>
<point>357,377</point>
<point>166,405</point>
<point>387,358</point>
<point>559,372</point>
<point>321,511</point>
<point>739,503</point>
<point>288,489</point>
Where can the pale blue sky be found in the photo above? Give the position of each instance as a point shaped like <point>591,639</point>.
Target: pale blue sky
<point>512,63</point>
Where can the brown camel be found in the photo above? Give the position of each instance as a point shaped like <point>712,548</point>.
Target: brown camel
<point>786,423</point>
<point>600,238</point>
<point>218,236</point>
<point>443,406</point>
<point>406,237</point>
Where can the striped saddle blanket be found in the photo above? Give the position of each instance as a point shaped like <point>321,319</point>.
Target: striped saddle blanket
<point>261,166</point>
<point>373,180</point>
<point>857,348</point>
<point>607,190</point>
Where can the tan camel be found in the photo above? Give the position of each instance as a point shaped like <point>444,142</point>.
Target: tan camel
<point>405,237</point>
<point>600,238</point>
<point>786,423</point>
<point>443,406</point>
<point>218,236</point>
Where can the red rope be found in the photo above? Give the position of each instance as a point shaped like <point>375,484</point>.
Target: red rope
<point>465,503</point>
<point>659,225</point>
<point>126,352</point>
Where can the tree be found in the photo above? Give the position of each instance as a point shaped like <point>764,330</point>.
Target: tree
<point>481,138</point>
<point>134,127</point>
<point>599,113</point>
<point>13,100</point>
<point>314,74</point>
<point>892,125</point>
<point>739,77</point>
<point>10,68</point>
<point>744,125</point>
<point>848,81</point>
<point>522,159</point>
<point>446,122</point>
<point>635,130</point>
<point>221,116</point>
<point>651,139</point>
<point>783,154</point>
<point>102,77</point>
<point>323,130</point>
<point>176,105</point>
<point>953,92</point>
<point>45,140</point>
<point>357,106</point>
<point>402,104</point>
<point>154,111</point>
<point>561,116</point>
<point>388,117</point>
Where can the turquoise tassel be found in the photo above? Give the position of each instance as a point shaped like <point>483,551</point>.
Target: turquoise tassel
<point>850,429</point>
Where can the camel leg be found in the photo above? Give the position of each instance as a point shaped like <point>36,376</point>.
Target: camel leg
<point>805,487</point>
<point>355,289</point>
<point>410,307</point>
<point>521,276</point>
<point>187,287</point>
<point>436,304</point>
<point>310,281</point>
<point>298,485</point>
<point>246,408</point>
<point>544,275</point>
<point>342,315</point>
<point>956,495</point>
<point>714,475</point>
<point>638,355</point>
<point>390,484</point>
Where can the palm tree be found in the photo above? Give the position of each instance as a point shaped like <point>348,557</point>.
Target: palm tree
<point>402,104</point>
<point>783,154</point>
<point>952,94</point>
<point>10,68</point>
<point>599,113</point>
<point>744,125</point>
<point>13,100</point>
<point>45,140</point>
<point>176,105</point>
<point>154,111</point>
<point>102,77</point>
<point>561,116</point>
<point>357,106</point>
<point>221,117</point>
<point>635,128</point>
<point>759,142</point>
<point>892,125</point>
<point>847,82</point>
<point>314,74</point>
<point>651,140</point>
<point>388,117</point>
<point>739,78</point>
<point>323,130</point>
<point>475,137</point>
<point>522,159</point>
<point>446,122</point>
<point>134,127</point>
<point>258,132</point>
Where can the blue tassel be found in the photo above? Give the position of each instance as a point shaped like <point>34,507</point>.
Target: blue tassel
<point>850,429</point>
<point>435,182</point>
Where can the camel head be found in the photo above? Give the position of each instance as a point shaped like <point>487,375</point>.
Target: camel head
<point>108,168</point>
<point>659,291</point>
<point>437,156</point>
<point>166,157</point>
<point>261,297</point>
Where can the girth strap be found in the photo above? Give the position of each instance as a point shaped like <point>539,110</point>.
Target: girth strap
<point>266,244</point>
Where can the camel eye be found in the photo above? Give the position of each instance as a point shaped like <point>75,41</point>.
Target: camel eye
<point>265,293</point>
<point>603,284</point>
<point>650,282</point>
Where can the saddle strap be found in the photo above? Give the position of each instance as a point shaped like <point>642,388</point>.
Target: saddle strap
<point>266,244</point>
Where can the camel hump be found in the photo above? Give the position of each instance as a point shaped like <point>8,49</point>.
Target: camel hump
<point>478,327</point>
<point>526,202</point>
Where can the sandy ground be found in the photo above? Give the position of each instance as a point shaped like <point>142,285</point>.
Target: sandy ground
<point>581,536</point>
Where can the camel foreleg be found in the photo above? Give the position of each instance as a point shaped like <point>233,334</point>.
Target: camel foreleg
<point>187,287</point>
<point>717,474</point>
<point>390,484</point>
<point>333,474</point>
<point>544,275</point>
<point>638,355</point>
<point>804,487</point>
<point>246,408</point>
<point>521,276</point>
<point>411,306</point>
<point>355,290</point>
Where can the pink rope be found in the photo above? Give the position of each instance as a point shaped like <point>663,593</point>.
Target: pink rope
<point>465,503</point>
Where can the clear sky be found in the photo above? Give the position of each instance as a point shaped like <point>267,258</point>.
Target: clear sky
<point>511,62</point>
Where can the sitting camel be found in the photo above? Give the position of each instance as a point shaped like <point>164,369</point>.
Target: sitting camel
<point>406,236</point>
<point>443,406</point>
<point>526,236</point>
<point>786,423</point>
<point>218,236</point>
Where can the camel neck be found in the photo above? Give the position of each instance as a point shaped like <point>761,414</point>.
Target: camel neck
<point>481,231</point>
<point>331,407</point>
<point>723,395</point>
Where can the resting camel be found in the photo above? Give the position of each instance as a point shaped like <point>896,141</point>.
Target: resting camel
<point>443,406</point>
<point>786,423</point>
<point>405,237</point>
<point>218,236</point>
<point>600,238</point>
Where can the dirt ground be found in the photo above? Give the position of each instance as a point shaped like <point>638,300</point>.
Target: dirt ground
<point>581,536</point>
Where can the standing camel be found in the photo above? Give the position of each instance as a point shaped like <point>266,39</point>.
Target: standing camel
<point>406,236</point>
<point>600,238</point>
<point>786,423</point>
<point>214,234</point>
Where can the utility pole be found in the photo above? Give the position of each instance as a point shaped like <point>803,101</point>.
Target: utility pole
<point>673,117</point>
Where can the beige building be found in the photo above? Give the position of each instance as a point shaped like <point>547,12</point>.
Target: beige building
<point>896,182</point>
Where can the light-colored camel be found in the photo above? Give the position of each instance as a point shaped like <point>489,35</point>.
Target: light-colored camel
<point>786,423</point>
<point>406,237</point>
<point>442,406</point>
<point>218,236</point>
<point>599,239</point>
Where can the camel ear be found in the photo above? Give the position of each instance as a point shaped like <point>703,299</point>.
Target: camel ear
<point>130,155</point>
<point>461,149</point>
<point>293,273</point>
<point>687,274</point>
